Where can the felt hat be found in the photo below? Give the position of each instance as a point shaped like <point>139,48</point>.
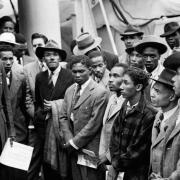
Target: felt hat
<point>170,28</point>
<point>172,61</point>
<point>151,41</point>
<point>86,42</point>
<point>131,30</point>
<point>51,45</point>
<point>166,77</point>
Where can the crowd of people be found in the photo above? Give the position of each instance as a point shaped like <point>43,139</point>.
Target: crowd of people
<point>92,115</point>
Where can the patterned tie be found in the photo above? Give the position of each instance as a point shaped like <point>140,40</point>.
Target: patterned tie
<point>50,80</point>
<point>76,96</point>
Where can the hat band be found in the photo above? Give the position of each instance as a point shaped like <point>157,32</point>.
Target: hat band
<point>86,46</point>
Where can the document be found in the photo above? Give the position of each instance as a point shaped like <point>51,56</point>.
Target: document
<point>16,156</point>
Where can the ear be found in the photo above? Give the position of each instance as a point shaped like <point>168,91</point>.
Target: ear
<point>172,97</point>
<point>139,87</point>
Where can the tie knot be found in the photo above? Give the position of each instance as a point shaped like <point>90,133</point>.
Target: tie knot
<point>161,117</point>
<point>78,88</point>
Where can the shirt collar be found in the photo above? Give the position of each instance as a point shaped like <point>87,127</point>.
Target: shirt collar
<point>83,86</point>
<point>169,113</point>
<point>128,104</point>
<point>157,71</point>
<point>56,71</point>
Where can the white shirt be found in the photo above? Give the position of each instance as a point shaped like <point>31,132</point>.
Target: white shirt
<point>40,65</point>
<point>55,74</point>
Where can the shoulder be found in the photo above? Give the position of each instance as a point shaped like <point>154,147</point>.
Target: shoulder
<point>66,72</point>
<point>30,66</point>
<point>99,90</point>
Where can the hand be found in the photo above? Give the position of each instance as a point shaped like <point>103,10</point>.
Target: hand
<point>155,176</point>
<point>47,105</point>
<point>12,138</point>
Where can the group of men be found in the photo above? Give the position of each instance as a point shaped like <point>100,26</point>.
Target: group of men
<point>98,117</point>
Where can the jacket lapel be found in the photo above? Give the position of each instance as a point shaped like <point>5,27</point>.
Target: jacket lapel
<point>86,94</point>
<point>35,71</point>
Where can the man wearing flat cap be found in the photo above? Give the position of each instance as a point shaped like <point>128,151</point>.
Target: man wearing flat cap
<point>86,43</point>
<point>172,34</point>
<point>50,87</point>
<point>164,148</point>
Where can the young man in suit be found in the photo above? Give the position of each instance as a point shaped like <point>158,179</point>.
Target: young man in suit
<point>162,96</point>
<point>112,110</point>
<point>17,87</point>
<point>81,120</point>
<point>131,131</point>
<point>31,70</point>
<point>50,86</point>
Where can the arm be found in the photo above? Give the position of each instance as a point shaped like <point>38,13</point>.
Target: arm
<point>95,122</point>
<point>6,102</point>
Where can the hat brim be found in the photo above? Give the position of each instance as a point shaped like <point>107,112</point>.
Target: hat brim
<point>130,34</point>
<point>40,52</point>
<point>162,48</point>
<point>162,81</point>
<point>170,32</point>
<point>10,43</point>
<point>78,51</point>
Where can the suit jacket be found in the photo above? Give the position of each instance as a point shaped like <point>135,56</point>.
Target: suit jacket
<point>18,95</point>
<point>45,91</point>
<point>158,141</point>
<point>108,121</point>
<point>111,59</point>
<point>31,70</point>
<point>6,117</point>
<point>88,113</point>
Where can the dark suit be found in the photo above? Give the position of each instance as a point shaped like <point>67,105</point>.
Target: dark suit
<point>85,131</point>
<point>111,59</point>
<point>44,90</point>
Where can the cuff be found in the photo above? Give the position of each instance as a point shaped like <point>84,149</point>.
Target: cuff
<point>72,144</point>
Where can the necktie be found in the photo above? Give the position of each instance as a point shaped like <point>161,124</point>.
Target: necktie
<point>76,95</point>
<point>50,80</point>
<point>8,79</point>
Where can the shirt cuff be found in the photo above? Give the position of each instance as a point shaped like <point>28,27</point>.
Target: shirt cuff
<point>72,144</point>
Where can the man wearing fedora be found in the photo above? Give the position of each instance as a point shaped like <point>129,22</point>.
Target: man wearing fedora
<point>163,97</point>
<point>172,34</point>
<point>86,43</point>
<point>50,86</point>
<point>130,36</point>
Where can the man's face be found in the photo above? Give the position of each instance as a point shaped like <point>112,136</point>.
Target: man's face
<point>130,40</point>
<point>7,60</point>
<point>8,27</point>
<point>98,66</point>
<point>151,57</point>
<point>136,60</point>
<point>176,83</point>
<point>38,42</point>
<point>128,88</point>
<point>173,39</point>
<point>115,78</point>
<point>160,95</point>
<point>80,73</point>
<point>52,59</point>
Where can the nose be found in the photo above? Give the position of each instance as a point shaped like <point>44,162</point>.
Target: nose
<point>148,59</point>
<point>8,62</point>
<point>133,59</point>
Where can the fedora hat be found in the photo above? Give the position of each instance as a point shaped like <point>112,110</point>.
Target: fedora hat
<point>8,39</point>
<point>131,30</point>
<point>166,77</point>
<point>50,45</point>
<point>170,28</point>
<point>151,41</point>
<point>86,42</point>
<point>172,61</point>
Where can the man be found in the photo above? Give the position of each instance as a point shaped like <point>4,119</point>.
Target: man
<point>98,66</point>
<point>130,36</point>
<point>81,120</point>
<point>31,70</point>
<point>50,86</point>
<point>131,131</point>
<point>112,110</point>
<point>7,24</point>
<point>151,48</point>
<point>17,86</point>
<point>86,43</point>
<point>172,34</point>
<point>135,59</point>
<point>162,96</point>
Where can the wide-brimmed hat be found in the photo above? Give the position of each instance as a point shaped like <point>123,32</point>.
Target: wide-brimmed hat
<point>151,41</point>
<point>130,49</point>
<point>172,61</point>
<point>51,45</point>
<point>170,28</point>
<point>131,30</point>
<point>166,77</point>
<point>86,42</point>
<point>8,39</point>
